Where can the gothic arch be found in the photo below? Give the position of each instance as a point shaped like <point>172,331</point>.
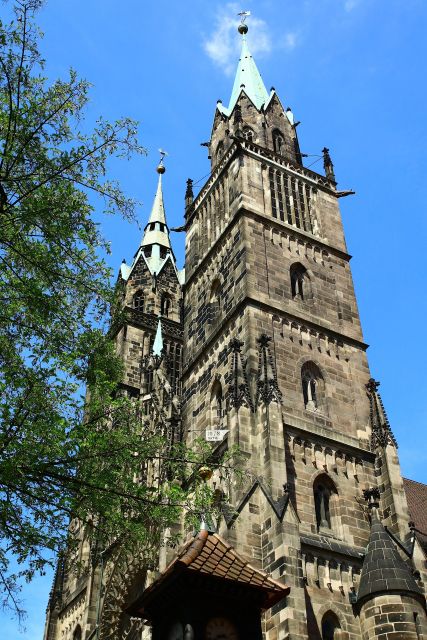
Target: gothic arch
<point>128,574</point>
<point>335,613</point>
<point>219,152</point>
<point>77,634</point>
<point>138,300</point>
<point>301,282</point>
<point>278,141</point>
<point>215,300</point>
<point>217,405</point>
<point>313,387</point>
<point>326,504</point>
<point>166,305</point>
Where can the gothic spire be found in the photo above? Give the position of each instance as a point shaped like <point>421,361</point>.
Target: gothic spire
<point>156,232</point>
<point>247,79</point>
<point>382,434</point>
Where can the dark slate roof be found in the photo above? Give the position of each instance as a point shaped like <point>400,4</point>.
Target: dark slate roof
<point>330,544</point>
<point>383,568</point>
<point>416,495</point>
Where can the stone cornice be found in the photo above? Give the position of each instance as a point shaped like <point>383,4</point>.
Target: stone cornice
<point>261,153</point>
<point>331,545</point>
<point>332,437</point>
<point>140,320</point>
<point>278,224</point>
<point>249,301</point>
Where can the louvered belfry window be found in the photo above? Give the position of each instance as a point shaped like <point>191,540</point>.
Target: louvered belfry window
<point>290,199</point>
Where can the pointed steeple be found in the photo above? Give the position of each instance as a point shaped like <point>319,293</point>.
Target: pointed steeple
<point>155,241</point>
<point>382,434</point>
<point>158,341</point>
<point>248,79</point>
<point>384,571</point>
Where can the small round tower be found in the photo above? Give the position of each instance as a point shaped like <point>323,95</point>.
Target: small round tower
<point>390,602</point>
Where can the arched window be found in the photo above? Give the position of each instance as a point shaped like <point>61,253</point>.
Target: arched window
<point>278,142</point>
<point>77,635</point>
<point>214,300</point>
<point>324,491</point>
<point>248,134</point>
<point>165,305</point>
<point>217,405</point>
<point>299,281</point>
<point>312,386</point>
<point>330,626</point>
<point>219,151</point>
<point>138,301</point>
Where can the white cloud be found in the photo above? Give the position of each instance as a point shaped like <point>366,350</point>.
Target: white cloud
<point>290,40</point>
<point>223,44</point>
<point>349,5</point>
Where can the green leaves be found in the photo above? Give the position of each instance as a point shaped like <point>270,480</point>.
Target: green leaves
<point>54,297</point>
<point>97,462</point>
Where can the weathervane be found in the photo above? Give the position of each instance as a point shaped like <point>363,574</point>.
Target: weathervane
<point>160,167</point>
<point>243,28</point>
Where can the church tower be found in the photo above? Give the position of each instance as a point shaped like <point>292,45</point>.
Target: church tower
<point>275,358</point>
<point>261,348</point>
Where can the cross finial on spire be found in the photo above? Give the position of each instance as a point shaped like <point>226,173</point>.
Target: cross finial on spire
<point>243,28</point>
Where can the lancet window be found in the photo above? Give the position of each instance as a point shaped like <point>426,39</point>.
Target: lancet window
<point>299,281</point>
<point>278,142</point>
<point>77,635</point>
<point>312,386</point>
<point>165,306</point>
<point>214,300</point>
<point>138,301</point>
<point>330,626</point>
<point>219,151</point>
<point>217,405</point>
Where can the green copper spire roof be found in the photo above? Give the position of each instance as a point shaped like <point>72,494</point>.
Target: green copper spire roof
<point>158,341</point>
<point>248,79</point>
<point>156,230</point>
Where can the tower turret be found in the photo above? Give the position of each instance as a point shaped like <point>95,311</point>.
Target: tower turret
<point>387,584</point>
<point>253,113</point>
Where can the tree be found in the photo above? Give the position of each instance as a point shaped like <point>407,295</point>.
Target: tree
<point>63,458</point>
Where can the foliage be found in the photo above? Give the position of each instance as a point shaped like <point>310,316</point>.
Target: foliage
<point>63,458</point>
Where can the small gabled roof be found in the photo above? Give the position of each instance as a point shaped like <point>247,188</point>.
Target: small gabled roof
<point>384,571</point>
<point>208,554</point>
<point>248,79</point>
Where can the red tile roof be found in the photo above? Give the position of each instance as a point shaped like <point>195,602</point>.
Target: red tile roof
<point>416,495</point>
<point>208,554</point>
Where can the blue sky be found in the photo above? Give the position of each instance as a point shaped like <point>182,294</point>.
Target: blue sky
<point>353,73</point>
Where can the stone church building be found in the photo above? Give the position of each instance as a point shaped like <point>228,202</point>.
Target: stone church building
<point>259,343</point>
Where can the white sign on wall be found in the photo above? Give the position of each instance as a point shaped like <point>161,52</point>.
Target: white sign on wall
<point>215,435</point>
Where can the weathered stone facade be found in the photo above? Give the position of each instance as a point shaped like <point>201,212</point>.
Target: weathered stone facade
<point>273,353</point>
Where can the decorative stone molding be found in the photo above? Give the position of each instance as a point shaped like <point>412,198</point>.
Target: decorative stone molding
<point>238,393</point>
<point>266,380</point>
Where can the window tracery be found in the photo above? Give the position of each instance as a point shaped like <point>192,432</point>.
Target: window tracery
<point>138,301</point>
<point>248,134</point>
